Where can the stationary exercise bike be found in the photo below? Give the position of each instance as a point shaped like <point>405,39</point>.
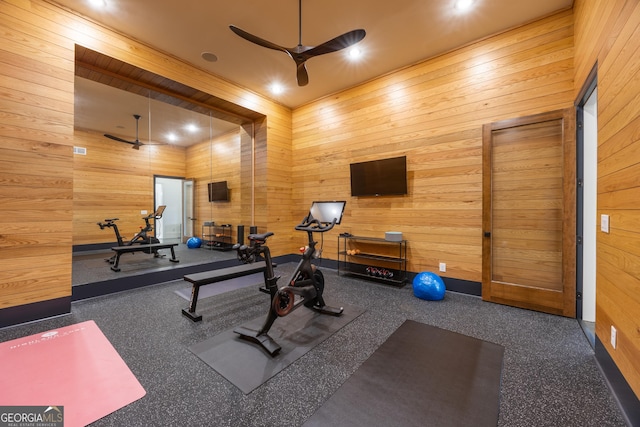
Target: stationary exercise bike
<point>304,287</point>
<point>141,238</point>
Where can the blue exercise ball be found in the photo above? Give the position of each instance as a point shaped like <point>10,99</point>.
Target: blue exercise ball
<point>429,286</point>
<point>194,242</point>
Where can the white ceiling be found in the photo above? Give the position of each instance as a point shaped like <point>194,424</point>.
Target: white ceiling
<point>399,33</point>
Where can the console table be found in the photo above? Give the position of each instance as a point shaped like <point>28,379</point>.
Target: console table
<point>373,258</point>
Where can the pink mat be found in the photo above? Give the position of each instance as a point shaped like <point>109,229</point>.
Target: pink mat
<point>75,367</point>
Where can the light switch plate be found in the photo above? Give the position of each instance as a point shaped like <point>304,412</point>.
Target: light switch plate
<point>604,223</point>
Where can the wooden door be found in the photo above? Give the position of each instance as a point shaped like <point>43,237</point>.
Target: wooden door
<point>529,201</point>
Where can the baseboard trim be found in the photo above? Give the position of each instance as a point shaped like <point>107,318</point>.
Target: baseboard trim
<point>622,392</point>
<point>34,311</point>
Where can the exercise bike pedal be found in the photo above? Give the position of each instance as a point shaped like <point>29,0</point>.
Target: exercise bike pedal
<point>263,340</point>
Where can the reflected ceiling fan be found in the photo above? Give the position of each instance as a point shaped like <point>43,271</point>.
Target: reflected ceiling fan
<point>136,144</point>
<point>300,54</point>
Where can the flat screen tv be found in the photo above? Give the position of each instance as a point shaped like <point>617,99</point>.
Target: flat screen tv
<point>218,191</point>
<point>326,212</point>
<point>379,177</point>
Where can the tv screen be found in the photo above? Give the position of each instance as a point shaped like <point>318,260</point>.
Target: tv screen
<point>325,212</point>
<point>379,177</point>
<point>218,191</point>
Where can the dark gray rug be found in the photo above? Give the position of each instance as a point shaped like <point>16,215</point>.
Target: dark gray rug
<point>247,366</point>
<point>420,376</point>
<point>213,289</point>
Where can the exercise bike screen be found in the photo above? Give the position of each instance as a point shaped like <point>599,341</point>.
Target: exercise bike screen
<point>325,212</point>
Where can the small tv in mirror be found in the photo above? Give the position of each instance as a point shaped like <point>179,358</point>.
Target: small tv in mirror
<point>326,212</point>
<point>218,191</point>
<point>379,177</point>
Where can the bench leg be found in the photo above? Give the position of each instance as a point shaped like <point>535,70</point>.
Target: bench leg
<point>115,267</point>
<point>191,314</point>
<point>173,255</point>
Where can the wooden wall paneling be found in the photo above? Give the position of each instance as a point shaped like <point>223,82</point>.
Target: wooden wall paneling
<point>37,55</point>
<point>35,151</point>
<point>433,112</point>
<point>607,33</point>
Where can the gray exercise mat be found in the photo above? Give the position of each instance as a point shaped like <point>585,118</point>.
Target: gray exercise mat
<point>213,289</point>
<point>420,376</point>
<point>247,366</point>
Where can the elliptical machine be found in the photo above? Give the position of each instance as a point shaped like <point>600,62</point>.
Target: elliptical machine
<point>304,287</point>
<point>141,238</point>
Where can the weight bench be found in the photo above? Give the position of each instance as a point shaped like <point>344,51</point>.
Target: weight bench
<point>215,276</point>
<point>150,248</point>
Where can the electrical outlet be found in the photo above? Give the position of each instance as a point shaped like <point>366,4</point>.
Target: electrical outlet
<point>443,267</point>
<point>143,212</point>
<point>614,336</point>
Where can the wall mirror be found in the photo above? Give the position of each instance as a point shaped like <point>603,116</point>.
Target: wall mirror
<point>159,131</point>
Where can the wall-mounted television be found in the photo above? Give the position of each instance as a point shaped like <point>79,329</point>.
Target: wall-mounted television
<point>379,177</point>
<point>218,191</point>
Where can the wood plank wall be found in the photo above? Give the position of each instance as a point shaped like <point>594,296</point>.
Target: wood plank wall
<point>433,113</point>
<point>609,33</point>
<point>37,47</point>
<point>36,174</point>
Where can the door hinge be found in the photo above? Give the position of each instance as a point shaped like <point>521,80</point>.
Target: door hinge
<point>579,240</point>
<point>579,295</point>
<point>580,182</point>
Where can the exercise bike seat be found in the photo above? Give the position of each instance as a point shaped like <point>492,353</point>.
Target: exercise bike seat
<point>260,237</point>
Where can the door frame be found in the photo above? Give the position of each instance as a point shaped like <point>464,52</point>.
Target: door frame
<point>568,217</point>
<point>589,87</point>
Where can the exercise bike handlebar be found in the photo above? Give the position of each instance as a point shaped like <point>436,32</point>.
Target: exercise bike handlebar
<point>310,224</point>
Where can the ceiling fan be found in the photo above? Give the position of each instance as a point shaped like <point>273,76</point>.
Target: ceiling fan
<point>136,144</point>
<point>300,54</point>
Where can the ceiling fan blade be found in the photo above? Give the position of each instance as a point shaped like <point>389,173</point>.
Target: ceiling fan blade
<point>338,43</point>
<point>115,138</point>
<point>257,40</point>
<point>302,76</point>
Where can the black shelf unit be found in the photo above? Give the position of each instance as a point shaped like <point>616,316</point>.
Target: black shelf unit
<point>373,258</point>
<point>217,236</point>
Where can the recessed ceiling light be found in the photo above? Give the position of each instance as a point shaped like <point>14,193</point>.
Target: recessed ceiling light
<point>98,4</point>
<point>191,128</point>
<point>208,56</point>
<point>276,88</point>
<point>463,4</point>
<point>172,137</point>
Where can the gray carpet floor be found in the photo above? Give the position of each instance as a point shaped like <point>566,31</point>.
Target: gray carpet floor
<point>550,377</point>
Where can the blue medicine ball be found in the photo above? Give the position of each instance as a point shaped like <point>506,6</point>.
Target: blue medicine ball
<point>429,286</point>
<point>194,242</point>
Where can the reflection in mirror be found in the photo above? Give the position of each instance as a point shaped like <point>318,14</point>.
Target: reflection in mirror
<point>115,177</point>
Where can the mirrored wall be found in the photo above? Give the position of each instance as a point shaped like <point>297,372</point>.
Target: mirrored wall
<point>133,132</point>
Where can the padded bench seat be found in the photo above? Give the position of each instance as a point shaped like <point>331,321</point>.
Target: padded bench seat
<point>215,276</point>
